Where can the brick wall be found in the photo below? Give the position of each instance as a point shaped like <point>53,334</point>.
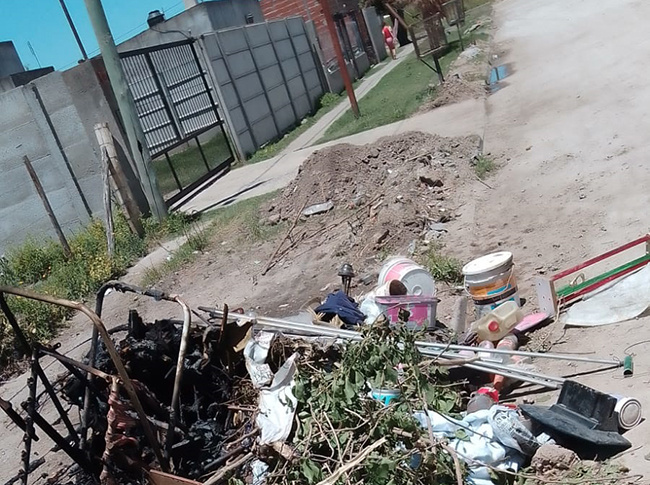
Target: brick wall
<point>308,10</point>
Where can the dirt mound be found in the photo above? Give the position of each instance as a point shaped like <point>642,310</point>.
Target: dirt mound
<point>454,90</point>
<point>383,196</point>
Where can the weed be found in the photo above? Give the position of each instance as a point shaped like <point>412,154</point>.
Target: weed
<point>44,267</point>
<point>443,268</point>
<point>397,96</point>
<point>483,166</point>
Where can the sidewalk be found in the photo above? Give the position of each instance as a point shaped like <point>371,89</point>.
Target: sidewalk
<point>461,119</point>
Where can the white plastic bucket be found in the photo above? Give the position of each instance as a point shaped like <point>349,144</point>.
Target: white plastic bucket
<point>629,412</point>
<point>418,281</point>
<point>490,281</point>
<point>391,288</point>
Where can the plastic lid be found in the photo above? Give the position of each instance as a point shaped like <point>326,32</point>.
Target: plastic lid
<point>493,326</point>
<point>487,263</point>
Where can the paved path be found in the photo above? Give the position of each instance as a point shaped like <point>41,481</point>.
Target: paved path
<point>464,118</point>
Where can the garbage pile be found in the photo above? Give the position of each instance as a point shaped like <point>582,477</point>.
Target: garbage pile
<point>378,197</point>
<point>368,390</point>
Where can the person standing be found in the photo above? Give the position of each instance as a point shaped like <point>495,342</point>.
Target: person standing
<point>389,39</point>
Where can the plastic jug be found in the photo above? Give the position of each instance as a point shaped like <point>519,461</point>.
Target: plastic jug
<point>499,322</point>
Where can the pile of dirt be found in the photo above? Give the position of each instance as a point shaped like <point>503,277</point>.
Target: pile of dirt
<point>384,195</point>
<point>454,90</point>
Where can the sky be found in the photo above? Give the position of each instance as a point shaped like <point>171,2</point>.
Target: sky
<point>43,24</point>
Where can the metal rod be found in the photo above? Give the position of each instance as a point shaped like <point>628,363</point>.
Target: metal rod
<point>30,407</point>
<point>112,351</point>
<point>76,454</point>
<point>62,152</point>
<point>48,207</point>
<point>171,167</point>
<point>180,366</point>
<point>15,417</point>
<point>74,30</point>
<point>55,399</point>
<point>281,324</point>
<point>205,160</point>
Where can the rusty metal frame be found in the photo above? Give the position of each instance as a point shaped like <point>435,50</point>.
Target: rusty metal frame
<point>187,321</point>
<point>99,329</point>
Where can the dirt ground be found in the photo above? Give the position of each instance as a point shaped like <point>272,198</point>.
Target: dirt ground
<point>568,129</point>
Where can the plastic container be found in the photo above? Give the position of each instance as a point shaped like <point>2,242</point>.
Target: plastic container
<point>628,411</point>
<point>385,395</point>
<point>490,281</point>
<point>486,344</point>
<point>499,322</point>
<point>422,310</point>
<point>484,398</point>
<point>509,342</point>
<point>418,281</point>
<point>391,288</point>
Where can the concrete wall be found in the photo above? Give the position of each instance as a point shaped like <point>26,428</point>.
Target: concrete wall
<point>267,79</point>
<point>202,19</point>
<point>9,60</point>
<point>74,102</point>
<point>22,78</point>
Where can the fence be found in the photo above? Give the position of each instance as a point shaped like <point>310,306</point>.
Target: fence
<point>175,104</point>
<point>267,77</point>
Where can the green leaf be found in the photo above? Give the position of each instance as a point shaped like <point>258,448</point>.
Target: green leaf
<point>310,471</point>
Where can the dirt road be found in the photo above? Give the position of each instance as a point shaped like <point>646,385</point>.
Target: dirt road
<point>569,127</point>
<point>572,120</point>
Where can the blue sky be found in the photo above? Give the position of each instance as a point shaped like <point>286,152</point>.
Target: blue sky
<point>43,23</point>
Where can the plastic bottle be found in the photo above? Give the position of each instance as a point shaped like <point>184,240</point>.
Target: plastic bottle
<point>509,342</point>
<point>499,322</point>
<point>486,344</point>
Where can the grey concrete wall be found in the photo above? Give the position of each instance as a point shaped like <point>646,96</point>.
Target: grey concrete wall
<point>267,78</point>
<point>74,102</point>
<point>9,60</point>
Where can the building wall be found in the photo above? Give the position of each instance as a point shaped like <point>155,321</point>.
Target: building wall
<point>74,102</point>
<point>310,11</point>
<point>202,19</point>
<point>9,60</point>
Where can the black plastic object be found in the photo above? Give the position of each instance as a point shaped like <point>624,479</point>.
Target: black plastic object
<point>580,417</point>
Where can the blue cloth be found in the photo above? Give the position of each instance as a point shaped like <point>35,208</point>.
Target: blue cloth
<point>340,304</point>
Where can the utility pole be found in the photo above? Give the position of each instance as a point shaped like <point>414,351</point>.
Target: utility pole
<point>74,30</point>
<point>126,105</point>
<point>343,68</point>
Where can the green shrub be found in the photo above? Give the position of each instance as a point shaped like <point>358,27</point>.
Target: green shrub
<point>44,267</point>
<point>32,261</point>
<point>442,267</point>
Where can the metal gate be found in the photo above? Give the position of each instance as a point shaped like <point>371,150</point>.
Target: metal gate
<point>176,106</point>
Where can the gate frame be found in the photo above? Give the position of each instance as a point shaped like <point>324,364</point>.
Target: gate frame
<point>188,192</point>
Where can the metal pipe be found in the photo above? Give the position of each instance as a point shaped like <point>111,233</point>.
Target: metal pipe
<point>180,366</point>
<point>281,324</point>
<point>112,351</point>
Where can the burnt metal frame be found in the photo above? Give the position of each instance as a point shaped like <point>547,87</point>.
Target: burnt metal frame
<point>212,174</point>
<point>76,451</point>
<point>187,321</point>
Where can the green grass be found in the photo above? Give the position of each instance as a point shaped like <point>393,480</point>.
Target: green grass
<point>442,267</point>
<point>241,220</point>
<point>396,97</point>
<point>327,102</point>
<point>484,166</point>
<point>42,266</point>
<point>470,4</point>
<point>189,164</point>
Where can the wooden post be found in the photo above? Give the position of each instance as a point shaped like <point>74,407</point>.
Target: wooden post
<point>48,207</point>
<point>343,68</point>
<point>133,214</point>
<point>108,213</point>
